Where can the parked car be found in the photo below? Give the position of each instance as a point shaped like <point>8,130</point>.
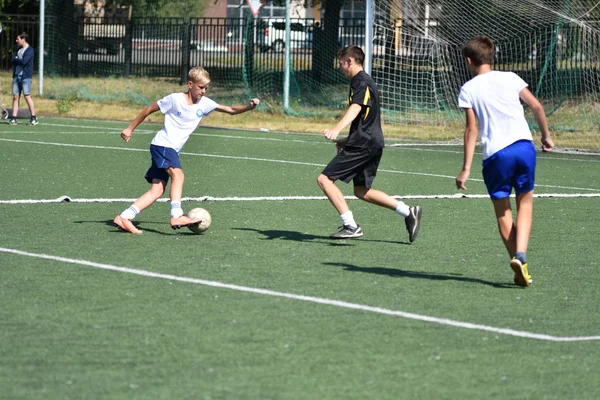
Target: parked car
<point>208,46</point>
<point>270,34</point>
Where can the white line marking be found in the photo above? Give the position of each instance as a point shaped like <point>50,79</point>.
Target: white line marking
<point>318,300</point>
<point>393,142</point>
<point>266,160</point>
<point>415,147</point>
<point>95,127</point>
<point>67,199</point>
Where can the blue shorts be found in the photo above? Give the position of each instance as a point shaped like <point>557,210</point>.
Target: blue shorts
<point>511,167</point>
<point>21,85</point>
<point>162,159</point>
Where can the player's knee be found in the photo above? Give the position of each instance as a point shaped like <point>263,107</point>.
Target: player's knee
<point>157,190</point>
<point>323,181</point>
<point>176,174</point>
<point>361,192</point>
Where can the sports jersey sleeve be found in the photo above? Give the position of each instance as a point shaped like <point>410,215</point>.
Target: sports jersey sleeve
<point>208,105</point>
<point>517,82</point>
<point>464,100</point>
<point>361,94</point>
<point>165,104</point>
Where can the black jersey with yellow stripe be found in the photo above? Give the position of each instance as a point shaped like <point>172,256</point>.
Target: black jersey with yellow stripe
<point>365,130</point>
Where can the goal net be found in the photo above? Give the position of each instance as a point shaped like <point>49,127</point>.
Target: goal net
<point>554,45</point>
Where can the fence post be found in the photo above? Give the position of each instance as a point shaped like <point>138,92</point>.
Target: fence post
<point>128,45</point>
<point>185,51</point>
<point>249,52</point>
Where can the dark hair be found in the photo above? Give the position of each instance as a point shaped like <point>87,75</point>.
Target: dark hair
<point>480,50</point>
<point>354,52</point>
<point>23,35</point>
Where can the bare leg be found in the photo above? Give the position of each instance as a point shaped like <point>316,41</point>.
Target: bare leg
<point>515,237</point>
<point>524,220</point>
<point>156,190</point>
<point>177,178</point>
<point>333,193</point>
<point>506,227</point>
<point>376,197</point>
<point>29,101</point>
<point>15,105</point>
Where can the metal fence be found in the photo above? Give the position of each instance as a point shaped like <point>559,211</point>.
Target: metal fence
<point>167,47</point>
<point>13,25</point>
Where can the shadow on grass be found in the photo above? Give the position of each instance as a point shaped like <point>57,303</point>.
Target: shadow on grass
<point>296,236</point>
<point>143,225</point>
<point>420,275</point>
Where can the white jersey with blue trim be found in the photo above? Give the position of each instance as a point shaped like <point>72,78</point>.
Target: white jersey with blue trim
<point>494,97</point>
<point>181,119</point>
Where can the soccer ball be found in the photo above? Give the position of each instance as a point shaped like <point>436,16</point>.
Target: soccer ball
<point>202,226</point>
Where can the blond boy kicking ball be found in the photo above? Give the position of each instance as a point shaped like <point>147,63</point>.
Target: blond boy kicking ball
<point>492,100</point>
<point>183,112</point>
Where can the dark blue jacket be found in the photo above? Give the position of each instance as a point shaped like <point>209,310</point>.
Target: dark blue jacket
<point>24,64</point>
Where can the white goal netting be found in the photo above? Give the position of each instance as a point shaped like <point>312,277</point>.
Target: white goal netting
<point>553,45</point>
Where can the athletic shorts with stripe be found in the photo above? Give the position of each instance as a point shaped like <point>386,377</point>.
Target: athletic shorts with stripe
<point>162,158</point>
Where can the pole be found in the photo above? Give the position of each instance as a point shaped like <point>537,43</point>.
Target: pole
<point>286,65</point>
<point>368,36</point>
<point>41,47</point>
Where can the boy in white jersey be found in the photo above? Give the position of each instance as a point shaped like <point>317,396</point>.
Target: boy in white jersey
<point>492,99</point>
<point>183,112</point>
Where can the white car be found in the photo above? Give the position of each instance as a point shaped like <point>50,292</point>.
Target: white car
<point>270,34</point>
<point>209,46</point>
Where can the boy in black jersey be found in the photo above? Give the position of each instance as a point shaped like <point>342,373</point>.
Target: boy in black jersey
<point>360,152</point>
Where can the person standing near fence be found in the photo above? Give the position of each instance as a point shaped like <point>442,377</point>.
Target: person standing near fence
<point>22,62</point>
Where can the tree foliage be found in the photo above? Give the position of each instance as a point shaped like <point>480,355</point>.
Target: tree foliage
<point>25,7</point>
<point>166,8</point>
<point>140,8</point>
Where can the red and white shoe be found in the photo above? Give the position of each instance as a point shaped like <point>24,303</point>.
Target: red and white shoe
<point>126,225</point>
<point>182,221</point>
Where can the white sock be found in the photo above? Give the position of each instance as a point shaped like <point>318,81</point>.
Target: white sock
<point>348,219</point>
<point>176,210</point>
<point>131,212</point>
<point>402,209</point>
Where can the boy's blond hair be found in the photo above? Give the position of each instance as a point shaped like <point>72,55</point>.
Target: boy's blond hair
<point>199,75</point>
<point>480,50</point>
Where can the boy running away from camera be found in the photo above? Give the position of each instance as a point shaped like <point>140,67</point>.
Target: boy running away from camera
<point>492,100</point>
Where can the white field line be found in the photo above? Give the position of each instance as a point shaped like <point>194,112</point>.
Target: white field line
<point>392,142</point>
<point>265,160</point>
<point>318,300</point>
<point>67,199</point>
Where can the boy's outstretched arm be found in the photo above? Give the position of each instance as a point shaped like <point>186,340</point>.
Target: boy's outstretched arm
<point>127,132</point>
<point>469,148</point>
<point>232,110</point>
<point>540,117</point>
